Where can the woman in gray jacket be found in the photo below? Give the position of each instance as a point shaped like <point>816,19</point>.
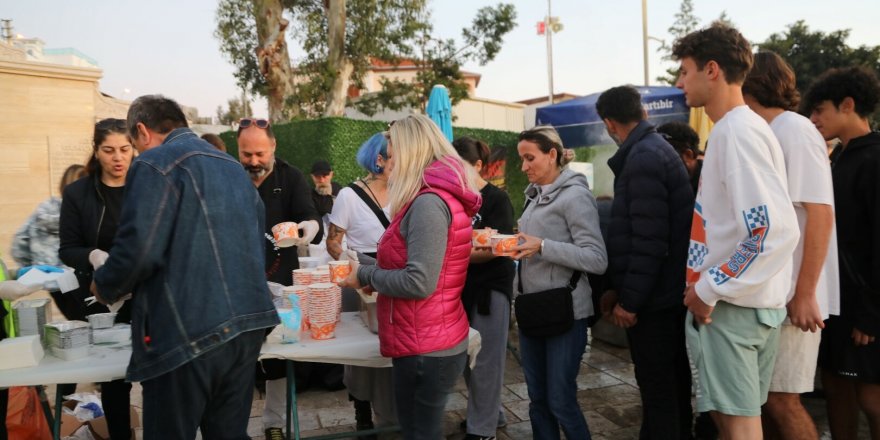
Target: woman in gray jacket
<point>558,235</point>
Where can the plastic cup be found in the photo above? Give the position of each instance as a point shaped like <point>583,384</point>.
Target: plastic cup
<point>323,332</point>
<point>285,234</point>
<point>482,238</point>
<point>339,270</point>
<point>302,277</point>
<point>502,245</point>
<point>320,276</point>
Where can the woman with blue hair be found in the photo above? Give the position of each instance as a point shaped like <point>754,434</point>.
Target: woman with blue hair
<point>360,214</point>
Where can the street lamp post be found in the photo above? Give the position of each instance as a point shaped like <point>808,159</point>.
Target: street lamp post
<point>645,38</point>
<point>549,32</point>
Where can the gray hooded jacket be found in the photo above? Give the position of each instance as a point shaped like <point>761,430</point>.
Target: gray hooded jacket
<point>564,215</point>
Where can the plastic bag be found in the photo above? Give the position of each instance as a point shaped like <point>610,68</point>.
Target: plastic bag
<point>291,321</point>
<point>25,419</point>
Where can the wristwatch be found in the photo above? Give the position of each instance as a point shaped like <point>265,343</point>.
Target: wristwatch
<point>542,248</point>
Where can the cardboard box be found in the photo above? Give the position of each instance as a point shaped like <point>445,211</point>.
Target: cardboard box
<point>98,426</point>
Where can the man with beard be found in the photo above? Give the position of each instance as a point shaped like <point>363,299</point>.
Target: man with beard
<point>287,197</point>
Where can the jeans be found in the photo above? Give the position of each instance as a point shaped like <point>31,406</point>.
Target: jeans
<point>421,388</point>
<point>657,345</point>
<point>213,392</point>
<point>551,367</point>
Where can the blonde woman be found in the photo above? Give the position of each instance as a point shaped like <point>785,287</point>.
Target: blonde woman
<point>420,272</point>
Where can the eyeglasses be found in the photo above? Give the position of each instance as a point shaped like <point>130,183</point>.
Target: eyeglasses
<point>247,122</point>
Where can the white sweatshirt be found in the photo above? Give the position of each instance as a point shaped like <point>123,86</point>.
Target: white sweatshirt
<point>744,229</point>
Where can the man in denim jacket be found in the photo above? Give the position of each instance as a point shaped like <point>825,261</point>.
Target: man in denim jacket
<point>190,249</point>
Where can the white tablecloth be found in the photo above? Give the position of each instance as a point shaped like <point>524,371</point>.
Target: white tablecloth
<point>104,363</point>
<point>354,344</point>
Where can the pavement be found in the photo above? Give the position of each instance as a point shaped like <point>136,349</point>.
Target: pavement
<point>607,393</point>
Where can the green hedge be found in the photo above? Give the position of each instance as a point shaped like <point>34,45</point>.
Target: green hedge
<point>337,140</point>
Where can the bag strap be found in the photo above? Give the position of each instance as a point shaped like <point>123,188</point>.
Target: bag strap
<point>371,204</point>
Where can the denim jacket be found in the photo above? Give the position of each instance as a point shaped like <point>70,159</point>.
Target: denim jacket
<point>190,249</point>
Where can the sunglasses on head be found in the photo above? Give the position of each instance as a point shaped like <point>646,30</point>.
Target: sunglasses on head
<point>247,122</point>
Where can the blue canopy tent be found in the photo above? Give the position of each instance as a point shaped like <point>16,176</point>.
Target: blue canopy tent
<point>579,125</point>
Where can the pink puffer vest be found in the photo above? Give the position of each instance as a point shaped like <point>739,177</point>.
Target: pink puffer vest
<point>410,327</point>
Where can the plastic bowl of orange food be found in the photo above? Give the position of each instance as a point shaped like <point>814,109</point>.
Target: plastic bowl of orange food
<point>502,245</point>
<point>482,238</point>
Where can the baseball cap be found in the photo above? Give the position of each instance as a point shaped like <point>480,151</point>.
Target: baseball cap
<point>321,168</point>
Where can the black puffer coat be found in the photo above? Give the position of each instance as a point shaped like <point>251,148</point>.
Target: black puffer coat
<point>649,232</point>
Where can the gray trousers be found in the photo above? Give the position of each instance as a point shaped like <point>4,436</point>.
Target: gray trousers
<point>487,377</point>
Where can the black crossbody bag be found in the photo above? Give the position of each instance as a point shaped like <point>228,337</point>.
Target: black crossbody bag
<point>546,313</point>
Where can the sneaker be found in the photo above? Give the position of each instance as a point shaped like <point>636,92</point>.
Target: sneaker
<point>477,437</point>
<point>274,434</point>
<point>502,422</point>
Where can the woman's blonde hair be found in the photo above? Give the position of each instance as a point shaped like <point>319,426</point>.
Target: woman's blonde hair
<point>416,142</point>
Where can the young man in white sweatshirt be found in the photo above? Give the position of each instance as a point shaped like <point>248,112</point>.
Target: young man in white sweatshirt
<point>771,92</point>
<point>742,237</point>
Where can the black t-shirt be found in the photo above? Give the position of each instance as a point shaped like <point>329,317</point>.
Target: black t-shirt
<point>496,274</point>
<point>112,196</point>
<point>324,203</point>
<point>287,198</point>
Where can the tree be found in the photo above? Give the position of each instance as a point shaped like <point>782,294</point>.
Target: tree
<point>685,23</point>
<point>237,108</point>
<point>261,58</point>
<point>342,38</point>
<point>439,62</point>
<point>810,53</point>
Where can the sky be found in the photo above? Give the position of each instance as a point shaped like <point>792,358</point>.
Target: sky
<point>168,46</point>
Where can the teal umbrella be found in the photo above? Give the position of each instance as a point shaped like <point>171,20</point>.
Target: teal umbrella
<point>440,109</point>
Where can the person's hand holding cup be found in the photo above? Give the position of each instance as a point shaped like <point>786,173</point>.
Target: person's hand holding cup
<point>339,270</point>
<point>285,234</point>
<point>350,280</point>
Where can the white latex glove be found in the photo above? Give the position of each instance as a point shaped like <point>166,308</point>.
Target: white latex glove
<point>98,257</point>
<point>12,290</point>
<point>349,255</point>
<point>310,230</point>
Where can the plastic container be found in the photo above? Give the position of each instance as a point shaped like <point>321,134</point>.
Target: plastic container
<point>118,334</point>
<point>502,245</point>
<point>30,316</point>
<point>368,312</point>
<point>482,238</point>
<point>309,262</point>
<point>101,320</point>
<point>67,334</point>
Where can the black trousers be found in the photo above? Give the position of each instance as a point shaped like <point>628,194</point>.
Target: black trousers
<point>116,398</point>
<point>657,346</point>
<point>4,402</point>
<point>213,392</point>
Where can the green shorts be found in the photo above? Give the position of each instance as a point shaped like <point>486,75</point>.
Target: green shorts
<point>732,358</point>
